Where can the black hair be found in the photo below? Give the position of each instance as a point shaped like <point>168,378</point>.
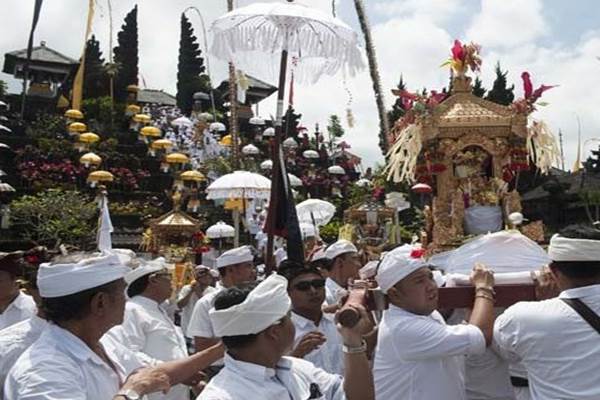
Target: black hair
<point>74,306</point>
<point>138,286</point>
<point>579,270</point>
<point>229,298</point>
<point>293,272</point>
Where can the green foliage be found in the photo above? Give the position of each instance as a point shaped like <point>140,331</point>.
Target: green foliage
<point>220,165</point>
<point>291,122</point>
<point>190,68</point>
<point>334,127</point>
<point>478,89</point>
<point>329,232</point>
<point>393,115</point>
<point>95,78</point>
<point>98,109</point>
<point>49,126</point>
<point>591,199</point>
<point>126,56</point>
<point>592,164</point>
<point>55,217</point>
<point>500,93</point>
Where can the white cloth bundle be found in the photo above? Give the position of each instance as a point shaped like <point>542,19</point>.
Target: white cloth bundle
<point>59,280</point>
<point>566,249</point>
<point>265,305</point>
<point>502,278</point>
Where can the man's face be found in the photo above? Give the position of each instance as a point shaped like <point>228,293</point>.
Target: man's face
<point>203,277</point>
<point>307,292</point>
<point>243,272</point>
<point>350,265</point>
<point>117,299</point>
<point>8,286</point>
<point>417,293</point>
<point>163,282</point>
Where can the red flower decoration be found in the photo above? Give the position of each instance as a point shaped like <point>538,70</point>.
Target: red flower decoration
<point>418,252</point>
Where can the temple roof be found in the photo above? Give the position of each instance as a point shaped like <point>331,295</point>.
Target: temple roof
<point>466,109</point>
<point>154,96</point>
<point>176,219</point>
<point>39,54</point>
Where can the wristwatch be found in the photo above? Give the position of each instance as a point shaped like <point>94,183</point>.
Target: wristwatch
<point>129,394</point>
<point>355,350</point>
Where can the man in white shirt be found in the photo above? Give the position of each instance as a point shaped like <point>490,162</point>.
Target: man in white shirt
<point>256,328</point>
<point>190,294</point>
<point>17,338</point>
<point>15,306</point>
<point>418,356</point>
<point>147,330</point>
<point>556,345</point>
<point>317,339</point>
<point>83,298</point>
<point>344,265</point>
<point>235,266</point>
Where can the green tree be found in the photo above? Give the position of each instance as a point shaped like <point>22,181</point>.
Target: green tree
<point>291,122</point>
<point>126,56</point>
<point>500,93</point>
<point>397,110</point>
<point>190,68</point>
<point>592,164</point>
<point>478,89</point>
<point>334,127</point>
<point>55,217</point>
<point>95,79</point>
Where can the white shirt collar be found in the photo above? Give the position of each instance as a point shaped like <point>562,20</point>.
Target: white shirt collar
<point>301,321</point>
<point>20,301</point>
<point>72,344</point>
<point>248,370</point>
<point>145,301</point>
<point>580,292</point>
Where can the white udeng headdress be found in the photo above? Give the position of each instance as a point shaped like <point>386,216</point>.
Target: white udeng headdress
<point>566,249</point>
<point>265,305</point>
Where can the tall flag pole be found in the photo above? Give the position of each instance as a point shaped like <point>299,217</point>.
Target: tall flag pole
<point>36,16</point>
<point>78,83</point>
<point>577,165</point>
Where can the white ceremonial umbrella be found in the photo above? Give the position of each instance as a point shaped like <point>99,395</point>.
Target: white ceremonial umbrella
<point>294,180</point>
<point>217,126</point>
<point>4,146</point>
<point>315,211</point>
<point>269,132</point>
<point>220,230</point>
<point>336,170</point>
<point>266,165</point>
<point>182,121</point>
<point>239,185</point>
<point>363,182</point>
<point>2,173</point>
<point>255,36</point>
<point>257,121</point>
<point>5,187</point>
<point>290,143</point>
<point>310,154</point>
<point>250,150</point>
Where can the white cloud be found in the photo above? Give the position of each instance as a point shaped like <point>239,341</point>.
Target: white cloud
<point>413,40</point>
<point>507,23</point>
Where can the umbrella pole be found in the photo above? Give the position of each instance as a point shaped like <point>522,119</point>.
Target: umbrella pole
<point>276,162</point>
<point>236,223</point>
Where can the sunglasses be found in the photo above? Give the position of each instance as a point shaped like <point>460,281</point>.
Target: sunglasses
<point>305,285</point>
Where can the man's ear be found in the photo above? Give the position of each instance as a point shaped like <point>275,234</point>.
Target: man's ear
<point>99,304</point>
<point>273,332</point>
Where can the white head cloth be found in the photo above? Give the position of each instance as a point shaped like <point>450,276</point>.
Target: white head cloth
<point>340,247</point>
<point>235,256</point>
<point>147,268</point>
<point>59,280</point>
<point>265,305</point>
<point>566,249</point>
<point>318,255</point>
<point>395,266</point>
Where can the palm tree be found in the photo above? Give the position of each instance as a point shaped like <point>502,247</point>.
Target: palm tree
<point>373,69</point>
<point>233,116</point>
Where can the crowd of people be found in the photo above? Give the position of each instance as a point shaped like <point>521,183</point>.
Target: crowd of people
<point>108,326</point>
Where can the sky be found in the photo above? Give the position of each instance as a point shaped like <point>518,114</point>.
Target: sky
<point>556,41</point>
